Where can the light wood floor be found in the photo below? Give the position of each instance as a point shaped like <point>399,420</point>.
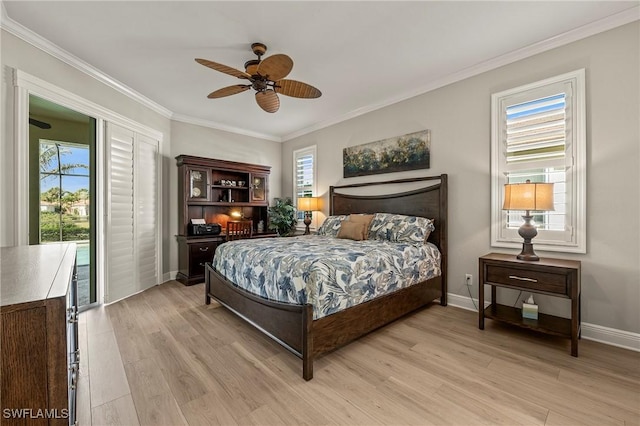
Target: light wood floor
<point>164,358</point>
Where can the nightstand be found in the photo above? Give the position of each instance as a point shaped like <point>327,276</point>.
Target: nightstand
<point>553,277</point>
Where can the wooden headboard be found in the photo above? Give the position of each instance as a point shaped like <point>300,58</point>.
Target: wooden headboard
<point>428,201</point>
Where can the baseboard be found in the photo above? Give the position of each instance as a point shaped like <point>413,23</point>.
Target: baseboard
<point>169,276</point>
<point>597,333</point>
<point>611,336</point>
<point>464,302</point>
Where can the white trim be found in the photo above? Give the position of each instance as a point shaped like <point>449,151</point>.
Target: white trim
<point>464,302</point>
<point>169,276</point>
<point>597,333</point>
<point>63,97</point>
<point>224,127</point>
<point>26,84</point>
<point>576,211</point>
<point>57,52</point>
<point>21,150</point>
<point>608,23</point>
<point>605,24</point>
<point>101,219</point>
<point>313,150</point>
<point>611,336</point>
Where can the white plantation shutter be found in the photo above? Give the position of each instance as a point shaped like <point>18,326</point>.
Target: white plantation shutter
<point>304,176</point>
<point>120,215</point>
<point>132,213</point>
<point>146,202</point>
<point>538,133</point>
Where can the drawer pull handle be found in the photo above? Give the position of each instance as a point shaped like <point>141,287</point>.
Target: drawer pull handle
<point>201,263</point>
<point>204,248</point>
<point>515,277</point>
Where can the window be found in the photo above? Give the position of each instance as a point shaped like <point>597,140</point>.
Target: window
<point>538,133</point>
<point>304,178</point>
<point>64,192</point>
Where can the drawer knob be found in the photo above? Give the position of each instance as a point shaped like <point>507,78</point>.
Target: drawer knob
<point>515,277</point>
<point>204,248</point>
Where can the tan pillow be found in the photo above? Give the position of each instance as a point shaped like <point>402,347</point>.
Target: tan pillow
<point>352,230</point>
<point>362,218</point>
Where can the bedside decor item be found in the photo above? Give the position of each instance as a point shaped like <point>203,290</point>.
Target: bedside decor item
<point>398,154</point>
<point>307,205</point>
<point>529,197</point>
<point>551,277</point>
<point>530,309</point>
<point>282,216</point>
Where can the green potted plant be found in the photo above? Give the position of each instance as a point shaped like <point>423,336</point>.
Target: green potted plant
<point>282,217</point>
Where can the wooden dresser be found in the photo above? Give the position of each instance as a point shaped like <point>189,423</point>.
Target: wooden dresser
<point>38,291</point>
<point>213,190</point>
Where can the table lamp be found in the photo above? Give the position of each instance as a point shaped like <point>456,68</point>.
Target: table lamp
<point>307,204</point>
<point>528,197</point>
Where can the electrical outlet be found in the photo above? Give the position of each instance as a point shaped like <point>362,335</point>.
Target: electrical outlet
<point>469,279</point>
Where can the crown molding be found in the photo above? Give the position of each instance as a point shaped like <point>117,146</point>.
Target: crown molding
<point>219,126</point>
<point>605,24</point>
<point>57,52</point>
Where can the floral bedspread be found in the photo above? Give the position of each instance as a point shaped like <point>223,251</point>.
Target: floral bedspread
<point>330,273</point>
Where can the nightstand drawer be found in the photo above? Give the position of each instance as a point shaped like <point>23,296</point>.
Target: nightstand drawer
<point>201,253</point>
<point>528,279</point>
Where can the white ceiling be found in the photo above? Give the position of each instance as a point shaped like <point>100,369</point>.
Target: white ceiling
<point>361,55</point>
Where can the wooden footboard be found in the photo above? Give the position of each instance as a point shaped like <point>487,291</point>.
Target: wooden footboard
<point>293,325</point>
<point>288,324</point>
<point>294,328</point>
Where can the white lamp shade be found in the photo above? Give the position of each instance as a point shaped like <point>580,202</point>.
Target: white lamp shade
<point>528,196</point>
<point>308,204</point>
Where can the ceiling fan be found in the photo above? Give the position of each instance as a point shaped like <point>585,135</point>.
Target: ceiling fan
<point>266,77</point>
<point>40,124</point>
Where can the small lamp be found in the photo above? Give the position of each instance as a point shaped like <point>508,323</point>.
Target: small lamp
<point>528,196</point>
<point>307,204</point>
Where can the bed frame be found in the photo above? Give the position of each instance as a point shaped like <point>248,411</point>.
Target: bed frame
<point>293,326</point>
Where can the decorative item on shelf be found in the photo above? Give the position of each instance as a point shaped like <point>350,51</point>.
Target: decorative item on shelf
<point>529,197</point>
<point>282,216</point>
<point>308,205</point>
<point>241,183</point>
<point>530,309</point>
<point>260,228</point>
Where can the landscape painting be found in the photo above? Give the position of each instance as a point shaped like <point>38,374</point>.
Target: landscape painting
<point>397,154</point>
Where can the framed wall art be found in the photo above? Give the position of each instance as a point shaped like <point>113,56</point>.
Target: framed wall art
<point>396,154</point>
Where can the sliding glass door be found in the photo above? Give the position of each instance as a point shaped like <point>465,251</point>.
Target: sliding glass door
<point>62,186</point>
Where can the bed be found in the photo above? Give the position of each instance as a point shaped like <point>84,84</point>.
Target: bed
<point>308,330</point>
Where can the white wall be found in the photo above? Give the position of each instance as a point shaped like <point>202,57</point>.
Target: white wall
<point>190,139</point>
<point>459,118</point>
<point>17,54</point>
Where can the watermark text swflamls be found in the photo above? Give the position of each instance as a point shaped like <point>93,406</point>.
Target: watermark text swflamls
<point>31,413</point>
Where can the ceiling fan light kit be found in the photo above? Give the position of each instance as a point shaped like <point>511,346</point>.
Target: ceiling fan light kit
<point>266,78</point>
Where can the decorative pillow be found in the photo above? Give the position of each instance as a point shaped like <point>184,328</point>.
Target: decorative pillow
<point>400,228</point>
<point>331,225</point>
<point>362,218</point>
<point>352,230</point>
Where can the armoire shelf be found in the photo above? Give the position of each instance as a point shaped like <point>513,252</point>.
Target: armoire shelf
<point>212,189</point>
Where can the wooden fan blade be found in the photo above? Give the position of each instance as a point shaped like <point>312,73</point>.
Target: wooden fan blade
<point>268,100</point>
<point>40,124</point>
<point>223,68</point>
<point>275,67</point>
<point>297,89</point>
<point>228,91</point>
